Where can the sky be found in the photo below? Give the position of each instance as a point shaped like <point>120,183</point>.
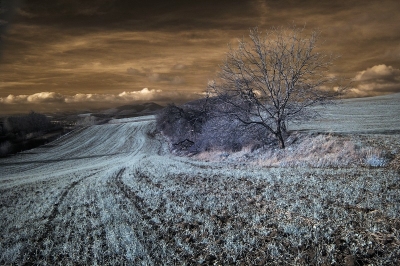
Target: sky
<point>57,55</point>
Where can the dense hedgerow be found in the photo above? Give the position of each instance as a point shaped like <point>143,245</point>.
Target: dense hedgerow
<point>33,122</point>
<point>200,126</point>
<point>18,133</point>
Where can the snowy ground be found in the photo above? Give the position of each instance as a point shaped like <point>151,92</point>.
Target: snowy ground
<point>373,115</point>
<point>113,195</point>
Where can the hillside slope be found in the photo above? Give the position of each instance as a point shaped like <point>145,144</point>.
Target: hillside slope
<point>112,195</point>
<point>372,115</point>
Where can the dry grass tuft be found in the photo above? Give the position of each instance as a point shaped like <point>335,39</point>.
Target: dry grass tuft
<point>315,150</point>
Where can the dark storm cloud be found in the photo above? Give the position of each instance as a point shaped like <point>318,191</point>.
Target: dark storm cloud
<point>138,15</point>
<point>8,9</point>
<point>105,47</point>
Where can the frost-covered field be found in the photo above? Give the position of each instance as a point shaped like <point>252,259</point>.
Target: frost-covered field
<point>377,115</point>
<point>113,195</point>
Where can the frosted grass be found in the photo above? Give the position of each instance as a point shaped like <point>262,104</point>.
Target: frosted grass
<point>113,195</point>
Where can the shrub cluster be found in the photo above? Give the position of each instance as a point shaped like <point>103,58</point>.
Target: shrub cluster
<point>19,132</point>
<point>33,122</point>
<point>200,125</point>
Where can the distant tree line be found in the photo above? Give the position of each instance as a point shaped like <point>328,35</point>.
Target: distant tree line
<point>19,132</point>
<point>33,122</point>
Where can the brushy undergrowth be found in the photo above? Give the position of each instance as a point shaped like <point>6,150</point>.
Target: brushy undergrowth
<point>135,204</point>
<point>312,150</point>
<point>193,130</point>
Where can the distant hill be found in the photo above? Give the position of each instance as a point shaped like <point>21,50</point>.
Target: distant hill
<point>131,110</point>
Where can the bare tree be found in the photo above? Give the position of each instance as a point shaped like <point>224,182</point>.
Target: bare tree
<point>273,79</point>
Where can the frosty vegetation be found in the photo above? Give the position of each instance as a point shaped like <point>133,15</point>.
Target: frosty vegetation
<point>194,129</point>
<point>113,194</point>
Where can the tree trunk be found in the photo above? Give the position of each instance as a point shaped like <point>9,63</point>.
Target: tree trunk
<point>280,129</point>
<point>281,140</point>
<point>284,127</point>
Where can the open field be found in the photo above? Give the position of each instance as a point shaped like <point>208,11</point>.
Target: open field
<point>372,115</point>
<point>112,194</point>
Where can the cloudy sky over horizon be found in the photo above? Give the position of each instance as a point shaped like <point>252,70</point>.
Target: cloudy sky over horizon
<point>65,52</point>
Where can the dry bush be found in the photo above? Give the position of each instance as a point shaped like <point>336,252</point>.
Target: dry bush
<point>182,124</point>
<point>223,133</point>
<point>197,127</point>
<point>5,148</point>
<point>315,150</point>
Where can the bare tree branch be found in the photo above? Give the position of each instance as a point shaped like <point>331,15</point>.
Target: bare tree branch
<point>273,79</point>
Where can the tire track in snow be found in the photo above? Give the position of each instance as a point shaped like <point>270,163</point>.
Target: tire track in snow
<point>68,220</point>
<point>149,227</point>
<point>57,160</point>
<point>48,226</point>
<point>145,225</point>
<point>18,163</point>
<point>121,188</point>
<point>116,142</point>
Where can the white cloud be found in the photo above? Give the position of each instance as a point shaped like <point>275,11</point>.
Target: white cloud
<point>82,98</point>
<point>127,96</point>
<point>10,99</point>
<point>144,95</point>
<point>45,97</point>
<point>48,97</point>
<point>379,79</point>
<point>381,72</point>
<point>41,97</point>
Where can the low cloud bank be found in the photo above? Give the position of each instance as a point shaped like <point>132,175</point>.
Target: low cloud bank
<point>123,97</point>
<point>142,95</point>
<point>377,80</point>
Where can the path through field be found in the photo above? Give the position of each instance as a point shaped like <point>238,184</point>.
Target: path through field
<point>113,195</point>
<point>64,202</point>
